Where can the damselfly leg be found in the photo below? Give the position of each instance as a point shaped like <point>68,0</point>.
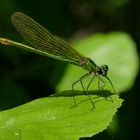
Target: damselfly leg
<point>101,88</point>
<point>85,90</point>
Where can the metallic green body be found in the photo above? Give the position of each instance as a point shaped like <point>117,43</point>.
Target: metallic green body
<point>89,65</point>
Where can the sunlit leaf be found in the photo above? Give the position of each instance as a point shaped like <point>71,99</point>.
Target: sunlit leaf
<point>56,118</point>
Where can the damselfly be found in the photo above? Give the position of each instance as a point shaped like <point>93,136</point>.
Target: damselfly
<point>45,43</point>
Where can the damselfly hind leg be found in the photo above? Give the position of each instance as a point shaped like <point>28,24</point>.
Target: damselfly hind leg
<point>80,80</point>
<point>85,91</point>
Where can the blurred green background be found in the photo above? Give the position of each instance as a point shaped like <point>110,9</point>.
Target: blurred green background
<point>26,76</point>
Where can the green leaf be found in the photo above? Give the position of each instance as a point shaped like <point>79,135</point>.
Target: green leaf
<point>117,50</point>
<point>56,118</point>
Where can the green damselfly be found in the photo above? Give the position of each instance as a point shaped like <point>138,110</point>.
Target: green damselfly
<point>45,43</point>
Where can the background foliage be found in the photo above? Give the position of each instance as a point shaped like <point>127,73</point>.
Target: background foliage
<point>26,76</point>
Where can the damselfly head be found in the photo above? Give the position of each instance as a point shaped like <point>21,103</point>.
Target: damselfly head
<point>103,70</point>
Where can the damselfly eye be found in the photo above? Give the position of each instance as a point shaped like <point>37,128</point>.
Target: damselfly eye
<point>99,70</point>
<point>105,67</point>
<point>104,70</point>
